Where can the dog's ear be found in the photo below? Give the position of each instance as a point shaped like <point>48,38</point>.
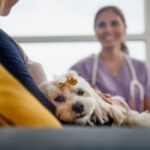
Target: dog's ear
<point>116,114</point>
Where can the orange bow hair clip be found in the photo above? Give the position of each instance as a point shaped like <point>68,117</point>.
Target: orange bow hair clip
<point>70,81</point>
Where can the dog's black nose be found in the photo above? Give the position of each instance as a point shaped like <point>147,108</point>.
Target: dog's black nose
<point>78,107</point>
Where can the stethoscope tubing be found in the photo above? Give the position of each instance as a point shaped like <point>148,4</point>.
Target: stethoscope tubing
<point>134,84</point>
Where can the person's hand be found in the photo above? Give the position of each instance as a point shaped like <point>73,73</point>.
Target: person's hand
<point>112,100</point>
<point>106,97</point>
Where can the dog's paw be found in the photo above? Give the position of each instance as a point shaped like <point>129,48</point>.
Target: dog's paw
<point>116,114</point>
<point>101,116</point>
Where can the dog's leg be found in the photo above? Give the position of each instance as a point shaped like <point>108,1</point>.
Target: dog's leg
<point>101,115</point>
<point>116,114</point>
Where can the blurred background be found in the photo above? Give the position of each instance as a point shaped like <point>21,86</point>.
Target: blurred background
<point>58,33</point>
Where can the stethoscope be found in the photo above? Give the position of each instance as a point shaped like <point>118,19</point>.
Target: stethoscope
<point>134,84</point>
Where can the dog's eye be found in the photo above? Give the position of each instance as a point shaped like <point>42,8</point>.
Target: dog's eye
<point>80,92</point>
<point>59,99</point>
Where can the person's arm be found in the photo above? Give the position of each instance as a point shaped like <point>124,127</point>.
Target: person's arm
<point>83,69</point>
<point>79,68</point>
<point>11,58</point>
<point>146,102</point>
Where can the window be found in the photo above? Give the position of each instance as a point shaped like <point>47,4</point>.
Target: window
<point>67,17</point>
<point>49,29</point>
<point>57,58</point>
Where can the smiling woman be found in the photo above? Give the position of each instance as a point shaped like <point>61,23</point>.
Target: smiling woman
<point>112,70</point>
<point>63,20</point>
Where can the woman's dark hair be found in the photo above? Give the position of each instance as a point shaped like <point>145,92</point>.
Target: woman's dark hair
<point>117,11</point>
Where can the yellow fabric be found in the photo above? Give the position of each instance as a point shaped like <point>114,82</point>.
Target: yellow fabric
<point>19,108</point>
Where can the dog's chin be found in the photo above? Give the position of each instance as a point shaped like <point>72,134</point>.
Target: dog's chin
<point>82,119</point>
<point>75,118</point>
<point>80,116</point>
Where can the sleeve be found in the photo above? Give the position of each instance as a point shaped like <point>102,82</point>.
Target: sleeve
<point>79,68</point>
<point>11,58</point>
<point>83,70</point>
<point>147,82</point>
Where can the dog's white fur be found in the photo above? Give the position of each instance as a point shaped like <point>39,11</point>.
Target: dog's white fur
<point>93,104</point>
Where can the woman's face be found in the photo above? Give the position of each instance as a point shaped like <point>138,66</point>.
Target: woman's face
<point>110,29</point>
<point>6,6</point>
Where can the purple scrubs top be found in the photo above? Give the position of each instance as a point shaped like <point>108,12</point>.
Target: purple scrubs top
<point>118,84</point>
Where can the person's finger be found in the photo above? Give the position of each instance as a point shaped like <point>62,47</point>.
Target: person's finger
<point>104,96</point>
<point>108,100</point>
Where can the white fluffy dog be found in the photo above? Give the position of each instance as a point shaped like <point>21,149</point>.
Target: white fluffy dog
<point>77,102</point>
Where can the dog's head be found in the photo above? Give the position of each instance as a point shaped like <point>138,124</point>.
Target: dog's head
<point>76,101</point>
<point>72,97</point>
